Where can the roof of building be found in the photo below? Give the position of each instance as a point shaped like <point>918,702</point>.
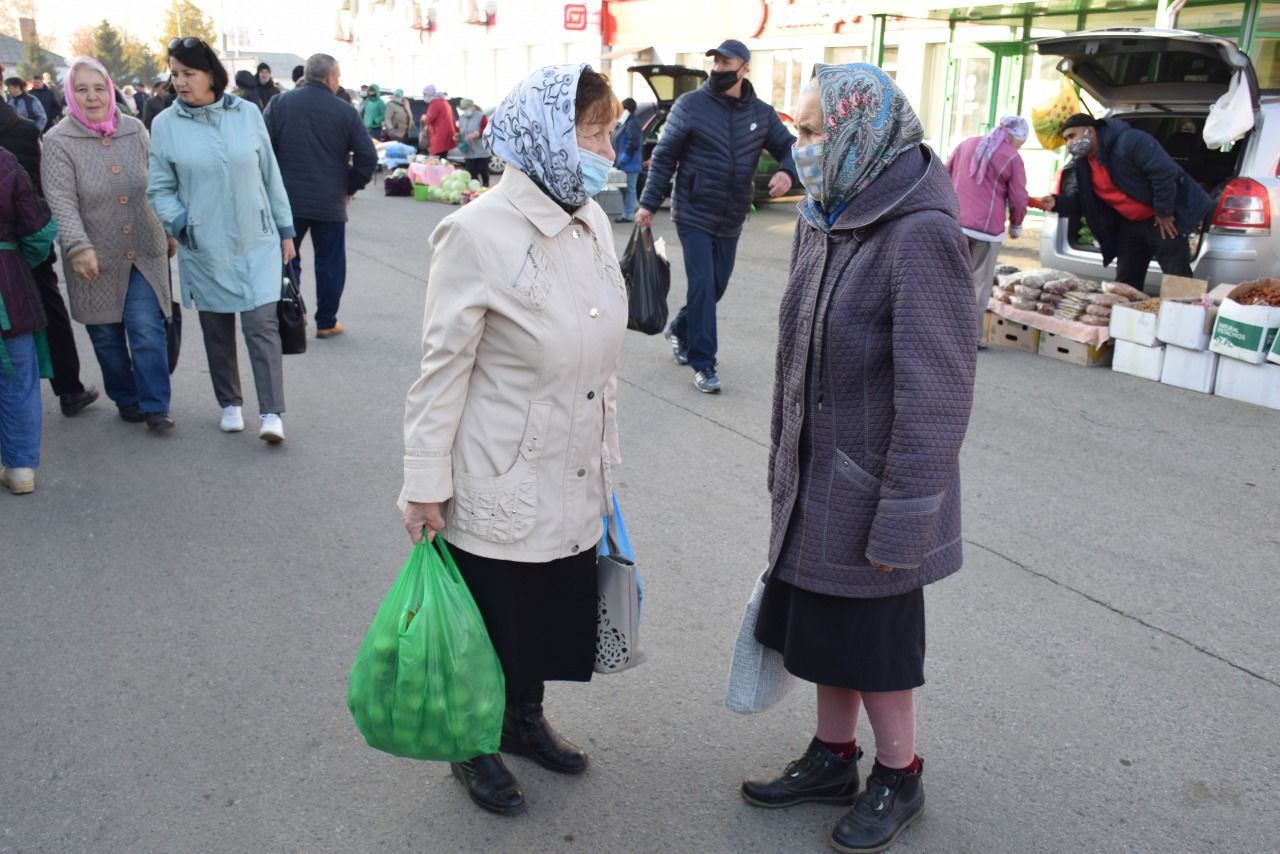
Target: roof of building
<point>12,50</point>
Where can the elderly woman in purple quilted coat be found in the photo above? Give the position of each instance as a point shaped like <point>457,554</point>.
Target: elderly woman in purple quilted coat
<point>871,401</point>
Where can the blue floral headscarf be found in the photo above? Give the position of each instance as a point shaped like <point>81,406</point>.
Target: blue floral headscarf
<point>867,122</point>
<point>533,130</point>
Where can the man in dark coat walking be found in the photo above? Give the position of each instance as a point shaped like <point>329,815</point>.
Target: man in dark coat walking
<point>325,158</point>
<point>710,145</point>
<point>1138,201</point>
<point>22,140</point>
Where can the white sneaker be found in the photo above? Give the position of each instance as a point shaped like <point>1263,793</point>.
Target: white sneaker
<point>232,419</point>
<point>272,429</point>
<point>19,481</point>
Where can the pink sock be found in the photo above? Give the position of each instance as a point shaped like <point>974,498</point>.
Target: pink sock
<point>837,714</point>
<point>893,720</point>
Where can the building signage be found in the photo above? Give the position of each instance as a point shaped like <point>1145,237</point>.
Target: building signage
<point>575,16</point>
<point>799,17</point>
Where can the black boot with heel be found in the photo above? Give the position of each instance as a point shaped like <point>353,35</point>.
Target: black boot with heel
<point>525,732</point>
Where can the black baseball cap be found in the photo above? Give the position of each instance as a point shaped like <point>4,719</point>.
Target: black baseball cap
<point>733,48</point>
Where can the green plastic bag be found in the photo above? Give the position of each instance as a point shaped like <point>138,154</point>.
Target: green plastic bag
<point>426,682</point>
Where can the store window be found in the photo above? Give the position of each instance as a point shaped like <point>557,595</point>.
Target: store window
<point>695,60</point>
<point>890,63</point>
<point>1221,19</point>
<point>844,55</point>
<point>1265,54</point>
<point>1132,18</point>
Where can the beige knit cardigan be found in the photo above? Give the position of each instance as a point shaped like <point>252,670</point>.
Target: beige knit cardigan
<point>97,188</point>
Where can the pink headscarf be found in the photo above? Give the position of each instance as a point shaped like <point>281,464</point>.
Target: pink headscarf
<point>107,126</point>
<point>1015,127</point>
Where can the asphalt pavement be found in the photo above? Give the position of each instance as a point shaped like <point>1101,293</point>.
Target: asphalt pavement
<point>178,613</point>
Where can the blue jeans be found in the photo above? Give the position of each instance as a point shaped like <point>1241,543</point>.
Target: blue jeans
<point>329,241</point>
<point>20,406</point>
<point>629,196</point>
<point>133,354</point>
<point>708,264</point>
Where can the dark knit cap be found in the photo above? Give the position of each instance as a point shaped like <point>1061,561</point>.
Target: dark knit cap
<point>1080,120</point>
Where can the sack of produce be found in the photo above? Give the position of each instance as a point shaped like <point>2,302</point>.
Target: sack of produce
<point>1129,292</point>
<point>1098,310</point>
<point>426,682</point>
<point>1023,303</point>
<point>1026,291</point>
<point>1107,299</point>
<point>1047,118</point>
<point>1094,320</point>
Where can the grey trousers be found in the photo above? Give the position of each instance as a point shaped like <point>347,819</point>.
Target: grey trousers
<point>982,256</point>
<point>262,337</point>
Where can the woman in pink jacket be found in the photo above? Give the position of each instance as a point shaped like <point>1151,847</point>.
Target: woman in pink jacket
<point>990,180</point>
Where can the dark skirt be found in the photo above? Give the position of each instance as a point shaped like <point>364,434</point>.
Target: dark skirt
<point>541,616</point>
<point>861,644</point>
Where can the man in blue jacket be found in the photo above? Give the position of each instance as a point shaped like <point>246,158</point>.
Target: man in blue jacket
<point>1138,201</point>
<point>325,158</point>
<point>710,145</point>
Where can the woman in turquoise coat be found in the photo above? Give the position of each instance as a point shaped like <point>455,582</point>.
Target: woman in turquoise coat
<point>216,186</point>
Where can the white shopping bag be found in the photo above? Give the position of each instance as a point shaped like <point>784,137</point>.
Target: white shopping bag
<point>1231,116</point>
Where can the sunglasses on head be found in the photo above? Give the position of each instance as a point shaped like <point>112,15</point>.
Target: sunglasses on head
<point>188,42</point>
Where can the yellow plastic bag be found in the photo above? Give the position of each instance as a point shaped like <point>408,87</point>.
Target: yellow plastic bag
<point>1048,118</point>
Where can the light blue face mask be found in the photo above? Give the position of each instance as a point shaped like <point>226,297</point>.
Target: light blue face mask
<point>808,160</point>
<point>595,171</point>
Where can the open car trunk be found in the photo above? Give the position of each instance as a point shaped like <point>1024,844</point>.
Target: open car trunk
<point>1162,82</point>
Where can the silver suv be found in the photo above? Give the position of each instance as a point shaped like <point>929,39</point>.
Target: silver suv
<point>1163,82</point>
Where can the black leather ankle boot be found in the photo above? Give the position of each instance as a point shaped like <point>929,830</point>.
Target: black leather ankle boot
<point>819,775</point>
<point>490,784</point>
<point>525,732</point>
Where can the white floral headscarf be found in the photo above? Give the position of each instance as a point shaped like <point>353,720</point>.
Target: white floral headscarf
<point>533,130</point>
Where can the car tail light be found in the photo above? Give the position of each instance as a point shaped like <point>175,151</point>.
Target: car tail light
<point>1243,206</point>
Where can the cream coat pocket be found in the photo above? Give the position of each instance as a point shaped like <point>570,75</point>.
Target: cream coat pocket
<point>533,282</point>
<point>503,509</point>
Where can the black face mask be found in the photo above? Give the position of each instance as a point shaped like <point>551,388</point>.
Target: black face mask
<point>722,81</point>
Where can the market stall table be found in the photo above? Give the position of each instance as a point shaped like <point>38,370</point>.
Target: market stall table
<point>430,174</point>
<point>1083,333</point>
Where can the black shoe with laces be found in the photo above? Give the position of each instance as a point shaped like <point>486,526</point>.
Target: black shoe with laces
<point>490,784</point>
<point>819,775</point>
<point>892,802</point>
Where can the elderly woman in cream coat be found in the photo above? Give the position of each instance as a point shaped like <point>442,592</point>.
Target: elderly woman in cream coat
<point>510,430</point>
<point>115,255</point>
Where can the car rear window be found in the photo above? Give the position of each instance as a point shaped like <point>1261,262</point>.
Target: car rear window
<point>1130,69</point>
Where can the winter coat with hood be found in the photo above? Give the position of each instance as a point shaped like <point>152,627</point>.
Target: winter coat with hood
<point>397,120</point>
<point>324,152</point>
<point>711,144</point>
<point>873,390</point>
<point>373,110</point>
<point>215,184</point>
<point>1142,170</point>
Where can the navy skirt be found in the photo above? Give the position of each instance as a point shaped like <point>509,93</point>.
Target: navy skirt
<point>541,617</point>
<point>861,644</point>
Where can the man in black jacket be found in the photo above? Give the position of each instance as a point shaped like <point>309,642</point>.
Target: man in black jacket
<point>710,144</point>
<point>325,158</point>
<point>161,99</point>
<point>21,138</point>
<point>1138,201</point>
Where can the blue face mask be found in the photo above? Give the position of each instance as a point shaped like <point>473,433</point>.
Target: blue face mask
<point>595,171</point>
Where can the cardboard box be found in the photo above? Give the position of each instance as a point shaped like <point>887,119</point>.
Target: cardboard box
<point>1256,384</point>
<point>1245,332</point>
<point>1075,353</point>
<point>1186,323</point>
<point>1017,336</point>
<point>1130,324</point>
<point>1193,370</point>
<point>1182,287</point>
<point>1137,360</point>
<point>1274,354</point>
<point>988,323</point>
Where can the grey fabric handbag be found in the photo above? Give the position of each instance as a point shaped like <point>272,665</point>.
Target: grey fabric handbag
<point>757,677</point>
<point>618,610</point>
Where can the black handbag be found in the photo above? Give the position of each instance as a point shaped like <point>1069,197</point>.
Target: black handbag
<point>173,329</point>
<point>291,312</point>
